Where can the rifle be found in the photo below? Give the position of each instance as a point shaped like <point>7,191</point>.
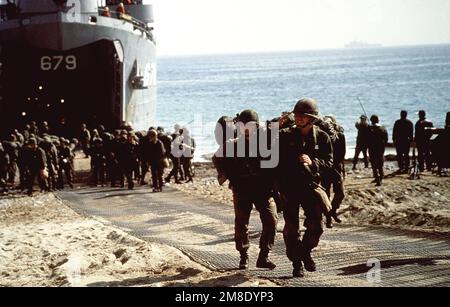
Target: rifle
<point>415,172</point>
<point>362,107</point>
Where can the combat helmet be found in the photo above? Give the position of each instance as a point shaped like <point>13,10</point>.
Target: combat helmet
<point>247,116</point>
<point>307,106</point>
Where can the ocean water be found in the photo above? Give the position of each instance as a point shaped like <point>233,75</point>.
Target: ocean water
<point>196,90</point>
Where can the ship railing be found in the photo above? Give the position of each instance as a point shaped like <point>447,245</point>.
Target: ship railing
<point>137,24</point>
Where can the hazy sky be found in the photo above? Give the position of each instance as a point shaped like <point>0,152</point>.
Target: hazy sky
<point>228,26</point>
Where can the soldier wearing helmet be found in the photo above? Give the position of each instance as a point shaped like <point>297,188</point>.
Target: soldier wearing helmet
<point>305,152</point>
<point>35,165</point>
<point>251,185</point>
<point>422,138</point>
<point>156,153</point>
<point>362,141</point>
<point>377,146</point>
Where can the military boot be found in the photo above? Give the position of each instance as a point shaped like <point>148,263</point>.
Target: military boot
<point>298,269</point>
<point>308,261</point>
<point>334,215</point>
<point>243,264</point>
<point>263,261</point>
<point>329,222</point>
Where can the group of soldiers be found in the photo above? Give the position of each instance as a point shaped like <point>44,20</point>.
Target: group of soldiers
<point>310,163</point>
<point>35,154</point>
<point>311,153</point>
<point>372,138</point>
<point>130,155</point>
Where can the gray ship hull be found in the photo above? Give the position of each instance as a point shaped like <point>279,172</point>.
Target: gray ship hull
<point>50,45</point>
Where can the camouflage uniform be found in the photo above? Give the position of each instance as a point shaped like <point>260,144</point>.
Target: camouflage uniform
<point>377,146</point>
<point>251,185</point>
<point>295,187</point>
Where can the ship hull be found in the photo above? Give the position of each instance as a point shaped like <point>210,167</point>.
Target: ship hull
<point>81,71</point>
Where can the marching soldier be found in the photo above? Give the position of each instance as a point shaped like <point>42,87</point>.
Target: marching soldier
<point>65,159</point>
<point>129,159</point>
<point>377,146</point>
<point>305,152</point>
<point>362,141</point>
<point>35,165</point>
<point>155,158</point>
<point>335,176</point>
<point>423,141</point>
<point>403,136</point>
<point>4,162</point>
<point>251,185</point>
<point>98,162</point>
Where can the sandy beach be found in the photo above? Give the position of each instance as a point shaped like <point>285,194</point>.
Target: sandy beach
<point>45,243</point>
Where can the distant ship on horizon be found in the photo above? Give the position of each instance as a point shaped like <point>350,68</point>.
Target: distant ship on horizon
<point>362,45</point>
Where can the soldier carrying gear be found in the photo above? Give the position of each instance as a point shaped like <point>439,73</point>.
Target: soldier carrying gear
<point>305,153</point>
<point>156,160</point>
<point>4,162</point>
<point>403,135</point>
<point>335,176</point>
<point>51,155</point>
<point>225,131</point>
<point>98,162</point>
<point>442,141</point>
<point>423,141</point>
<point>362,141</point>
<point>188,148</point>
<point>65,159</point>
<point>128,158</point>
<point>177,170</point>
<point>35,165</point>
<point>12,149</point>
<point>378,139</point>
<point>251,185</point>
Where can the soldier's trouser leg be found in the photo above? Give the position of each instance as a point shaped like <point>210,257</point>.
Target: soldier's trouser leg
<point>129,176</point>
<point>60,178</point>
<point>157,176</point>
<point>242,209</point>
<point>339,194</point>
<point>326,183</point>
<point>102,174</point>
<point>22,177</point>
<point>375,167</point>
<point>356,157</point>
<point>2,179</point>
<point>269,218</point>
<point>427,154</point>
<point>313,224</point>
<point>186,162</point>
<point>400,158</point>
<point>405,153</point>
<point>366,159</point>
<point>144,170</point>
<point>12,169</point>
<point>95,174</point>
<point>291,231</point>
<point>68,170</point>
<point>421,156</point>
<point>30,181</point>
<point>278,200</point>
<point>160,176</point>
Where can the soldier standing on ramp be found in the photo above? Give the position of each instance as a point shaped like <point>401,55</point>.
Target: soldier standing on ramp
<point>305,152</point>
<point>251,185</point>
